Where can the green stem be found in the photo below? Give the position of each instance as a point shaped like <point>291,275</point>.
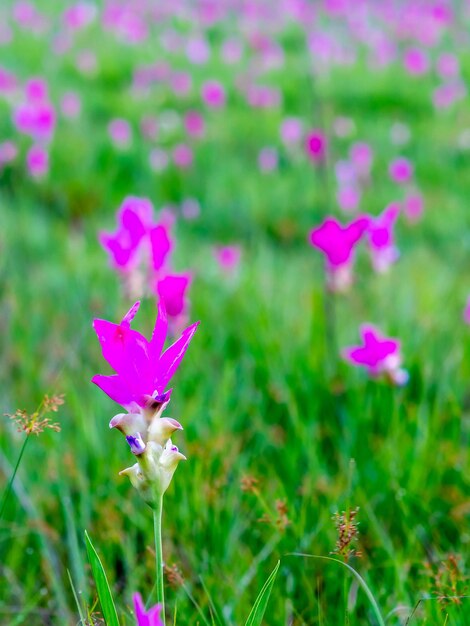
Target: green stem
<point>157,524</point>
<point>10,484</point>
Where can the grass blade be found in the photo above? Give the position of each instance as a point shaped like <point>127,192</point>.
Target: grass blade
<point>261,602</point>
<point>102,585</point>
<point>77,601</point>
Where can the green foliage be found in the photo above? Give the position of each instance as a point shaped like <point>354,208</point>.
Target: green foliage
<point>102,586</point>
<point>256,615</point>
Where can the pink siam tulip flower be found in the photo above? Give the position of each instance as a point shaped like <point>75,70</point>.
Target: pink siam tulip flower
<point>381,240</point>
<point>181,83</point>
<point>37,161</point>
<point>348,198</point>
<point>134,219</point>
<point>190,208</point>
<point>213,94</point>
<point>361,156</point>
<point>315,146</point>
<point>142,370</point>
<point>414,207</point>
<point>466,312</point>
<point>79,15</point>
<point>8,81</point>
<point>337,243</point>
<point>401,170</point>
<point>194,124</point>
<point>198,50</point>
<point>291,131</point>
<point>182,156</point>
<point>268,159</point>
<point>146,618</point>
<point>379,355</point>
<point>36,116</point>
<point>228,258</point>
<point>172,290</point>
<point>71,105</point>
<point>447,65</point>
<point>86,62</point>
<point>120,132</point>
<point>232,50</point>
<point>160,245</point>
<point>416,61</point>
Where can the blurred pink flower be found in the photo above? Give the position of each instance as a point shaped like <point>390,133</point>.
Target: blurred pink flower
<point>416,61</point>
<point>447,65</point>
<point>381,239</point>
<point>158,159</point>
<point>182,156</point>
<point>36,115</point>
<point>37,161</point>
<point>190,208</point>
<point>8,81</point>
<point>232,50</point>
<point>194,124</point>
<point>337,243</point>
<point>361,156</point>
<point>348,198</point>
<point>401,170</point>
<point>71,105</point>
<point>149,127</point>
<point>316,145</point>
<point>213,94</point>
<point>268,159</point>
<point>198,50</point>
<point>291,130</point>
<point>379,355</point>
<point>120,133</point>
<point>152,617</point>
<point>142,371</point>
<point>172,290</point>
<point>79,15</point>
<point>8,152</point>
<point>181,83</point>
<point>413,207</point>
<point>228,257</point>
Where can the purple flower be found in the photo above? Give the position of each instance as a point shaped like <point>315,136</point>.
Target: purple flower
<point>146,618</point>
<point>401,170</point>
<point>142,372</point>
<point>381,240</point>
<point>315,145</point>
<point>213,94</point>
<point>379,355</point>
<point>337,243</point>
<point>37,160</point>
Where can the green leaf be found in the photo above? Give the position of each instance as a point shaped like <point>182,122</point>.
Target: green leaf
<point>259,607</point>
<point>102,585</point>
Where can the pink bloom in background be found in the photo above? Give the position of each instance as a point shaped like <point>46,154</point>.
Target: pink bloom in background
<point>79,15</point>
<point>158,159</point>
<point>146,618</point>
<point>466,311</point>
<point>120,133</point>
<point>401,170</point>
<point>7,81</point>
<point>37,161</point>
<point>181,83</point>
<point>194,124</point>
<point>268,159</point>
<point>413,207</point>
<point>416,61</point>
<point>161,245</point>
<point>36,116</point>
<point>182,156</point>
<point>361,156</point>
<point>149,127</point>
<point>198,50</point>
<point>71,105</point>
<point>381,240</point>
<point>348,198</point>
<point>315,145</point>
<point>232,50</point>
<point>134,218</point>
<point>213,94</point>
<point>86,62</point>
<point>8,153</point>
<point>338,243</point>
<point>379,355</point>
<point>190,208</point>
<point>291,131</point>
<point>172,290</point>
<point>142,371</point>
<point>447,65</point>
<point>228,257</point>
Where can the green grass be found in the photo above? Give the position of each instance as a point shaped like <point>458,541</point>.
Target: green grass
<point>262,391</point>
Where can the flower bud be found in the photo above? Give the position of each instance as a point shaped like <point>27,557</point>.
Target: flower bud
<point>136,443</point>
<point>129,423</point>
<point>161,429</point>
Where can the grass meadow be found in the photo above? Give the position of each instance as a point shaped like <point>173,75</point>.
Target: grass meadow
<point>282,435</point>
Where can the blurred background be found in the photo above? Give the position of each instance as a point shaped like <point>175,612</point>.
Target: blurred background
<point>245,123</point>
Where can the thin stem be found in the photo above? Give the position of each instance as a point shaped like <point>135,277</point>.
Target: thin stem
<point>157,524</point>
<point>10,484</point>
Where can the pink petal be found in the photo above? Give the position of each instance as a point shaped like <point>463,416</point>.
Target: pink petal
<point>171,358</point>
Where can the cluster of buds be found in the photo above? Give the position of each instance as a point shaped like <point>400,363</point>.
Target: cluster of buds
<point>148,434</point>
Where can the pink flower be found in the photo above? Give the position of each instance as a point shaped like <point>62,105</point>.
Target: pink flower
<point>160,245</point>
<point>416,61</point>
<point>79,15</point>
<point>232,50</point>
<point>268,159</point>
<point>142,372</point>
<point>172,291</point>
<point>120,132</point>
<point>7,81</point>
<point>213,94</point>
<point>198,50</point>
<point>291,130</point>
<point>361,156</point>
<point>379,355</point>
<point>158,159</point>
<point>447,65</point>
<point>194,124</point>
<point>337,243</point>
<point>8,152</point>
<point>181,83</point>
<point>182,156</point>
<point>348,198</point>
<point>228,257</point>
<point>381,240</point>
<point>37,161</point>
<point>401,170</point>
<point>134,218</point>
<point>466,312</point>
<point>146,618</point>
<point>149,127</point>
<point>71,104</point>
<point>414,207</point>
<point>36,116</point>
<point>315,145</point>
